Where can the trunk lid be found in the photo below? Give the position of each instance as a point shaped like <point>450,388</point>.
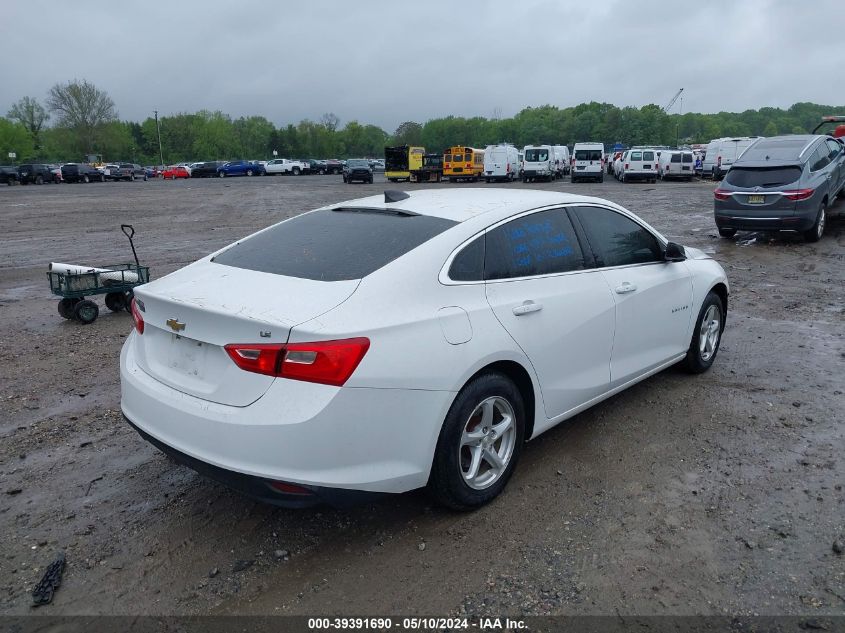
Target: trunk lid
<point>190,315</point>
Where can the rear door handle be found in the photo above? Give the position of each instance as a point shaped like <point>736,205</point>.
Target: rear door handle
<point>625,288</point>
<point>527,307</point>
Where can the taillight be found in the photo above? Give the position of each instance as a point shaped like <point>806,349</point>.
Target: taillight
<point>719,161</point>
<point>508,169</point>
<point>655,165</point>
<point>668,167</point>
<point>325,362</point>
<point>137,316</point>
<point>626,165</point>
<point>798,194</point>
<point>721,194</point>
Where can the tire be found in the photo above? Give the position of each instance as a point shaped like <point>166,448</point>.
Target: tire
<point>706,335</point>
<point>85,178</point>
<point>345,179</point>
<point>814,234</point>
<point>455,459</point>
<point>601,178</point>
<point>249,172</point>
<point>221,174</point>
<point>296,171</point>
<point>116,301</point>
<point>39,180</point>
<point>102,178</point>
<point>727,232</point>
<point>86,312</point>
<point>145,177</point>
<point>66,307</point>
<point>370,181</point>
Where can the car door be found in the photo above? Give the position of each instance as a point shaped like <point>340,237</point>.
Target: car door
<point>558,310</point>
<point>653,298</point>
<point>837,167</point>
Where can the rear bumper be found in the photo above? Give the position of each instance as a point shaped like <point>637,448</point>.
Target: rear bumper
<point>317,436</point>
<point>736,219</point>
<point>640,175</point>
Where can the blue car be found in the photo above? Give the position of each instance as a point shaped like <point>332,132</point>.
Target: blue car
<point>241,168</point>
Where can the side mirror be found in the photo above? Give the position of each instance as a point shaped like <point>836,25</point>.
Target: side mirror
<point>674,253</point>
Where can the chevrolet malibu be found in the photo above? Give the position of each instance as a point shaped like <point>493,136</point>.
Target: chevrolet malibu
<point>411,340</point>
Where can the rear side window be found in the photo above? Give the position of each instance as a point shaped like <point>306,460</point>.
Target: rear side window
<point>820,158</point>
<point>617,240</point>
<point>538,244</point>
<point>468,265</point>
<point>762,176</point>
<point>588,154</point>
<point>834,148</point>
<point>333,244</point>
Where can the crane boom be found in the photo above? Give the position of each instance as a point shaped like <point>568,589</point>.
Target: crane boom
<point>674,99</point>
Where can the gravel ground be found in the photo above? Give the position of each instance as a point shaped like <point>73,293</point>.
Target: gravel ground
<point>714,494</point>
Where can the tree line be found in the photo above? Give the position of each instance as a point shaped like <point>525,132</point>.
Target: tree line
<point>78,119</point>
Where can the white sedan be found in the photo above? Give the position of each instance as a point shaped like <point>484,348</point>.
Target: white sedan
<point>409,340</point>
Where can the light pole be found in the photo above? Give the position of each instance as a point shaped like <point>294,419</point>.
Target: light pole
<point>158,131</point>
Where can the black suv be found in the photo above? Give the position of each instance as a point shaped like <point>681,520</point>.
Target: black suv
<point>80,172</point>
<point>358,169</point>
<point>35,173</point>
<point>207,169</point>
<point>9,175</point>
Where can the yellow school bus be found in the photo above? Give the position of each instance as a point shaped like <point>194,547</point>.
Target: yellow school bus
<point>400,161</point>
<point>463,163</point>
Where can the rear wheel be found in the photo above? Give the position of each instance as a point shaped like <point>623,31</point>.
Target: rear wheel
<point>116,301</point>
<point>727,232</point>
<point>86,311</point>
<point>601,178</point>
<point>221,174</point>
<point>706,335</point>
<point>85,178</point>
<point>249,172</point>
<point>296,171</point>
<point>479,444</point>
<point>39,179</point>
<point>66,307</point>
<point>814,234</point>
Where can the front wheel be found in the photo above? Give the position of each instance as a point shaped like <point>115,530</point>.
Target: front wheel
<point>479,444</point>
<point>249,172</point>
<point>86,311</point>
<point>727,232</point>
<point>814,234</point>
<point>221,174</point>
<point>86,179</point>
<point>706,335</point>
<point>66,307</point>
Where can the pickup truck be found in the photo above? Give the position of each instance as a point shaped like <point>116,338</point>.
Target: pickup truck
<point>241,168</point>
<point>284,166</point>
<point>8,174</point>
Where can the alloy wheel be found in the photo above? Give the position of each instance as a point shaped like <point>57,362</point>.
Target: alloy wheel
<point>487,442</point>
<point>709,332</point>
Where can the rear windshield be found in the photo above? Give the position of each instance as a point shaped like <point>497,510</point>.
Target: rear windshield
<point>357,163</point>
<point>636,155</point>
<point>648,156</point>
<point>536,155</point>
<point>333,245</point>
<point>675,158</point>
<point>762,176</point>
<point>587,154</point>
<point>687,158</point>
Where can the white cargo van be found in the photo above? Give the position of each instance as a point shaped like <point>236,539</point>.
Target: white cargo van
<point>676,164</point>
<point>501,162</point>
<point>587,162</point>
<point>538,163</point>
<point>562,160</point>
<point>639,164</point>
<point>722,152</point>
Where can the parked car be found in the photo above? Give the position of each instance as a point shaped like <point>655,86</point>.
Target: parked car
<point>501,162</point>
<point>587,162</point>
<point>358,169</point>
<point>112,172</point>
<point>782,183</point>
<point>377,164</point>
<point>721,154</point>
<point>207,169</point>
<point>301,346</point>
<point>133,171</point>
<point>56,170</point>
<point>176,171</point>
<point>333,166</point>
<point>151,171</point>
<point>676,164</point>
<point>35,173</point>
<point>562,160</point>
<point>81,172</point>
<point>538,163</point>
<point>8,174</point>
<point>284,166</point>
<point>639,164</point>
<point>240,168</point>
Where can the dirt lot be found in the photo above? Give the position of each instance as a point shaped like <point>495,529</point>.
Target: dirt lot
<point>720,493</point>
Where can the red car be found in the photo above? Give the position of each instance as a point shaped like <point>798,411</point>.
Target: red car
<point>174,172</point>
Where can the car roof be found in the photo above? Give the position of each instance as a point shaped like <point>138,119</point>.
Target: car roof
<point>461,204</point>
<point>774,150</point>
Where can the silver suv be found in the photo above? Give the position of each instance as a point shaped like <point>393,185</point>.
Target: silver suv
<point>782,183</point>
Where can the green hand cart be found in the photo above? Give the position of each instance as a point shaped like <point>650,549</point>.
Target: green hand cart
<point>116,281</point>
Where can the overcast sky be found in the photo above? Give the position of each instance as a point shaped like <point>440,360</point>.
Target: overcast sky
<point>388,62</point>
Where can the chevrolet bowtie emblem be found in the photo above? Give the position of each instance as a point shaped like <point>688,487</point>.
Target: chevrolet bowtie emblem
<point>175,325</point>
